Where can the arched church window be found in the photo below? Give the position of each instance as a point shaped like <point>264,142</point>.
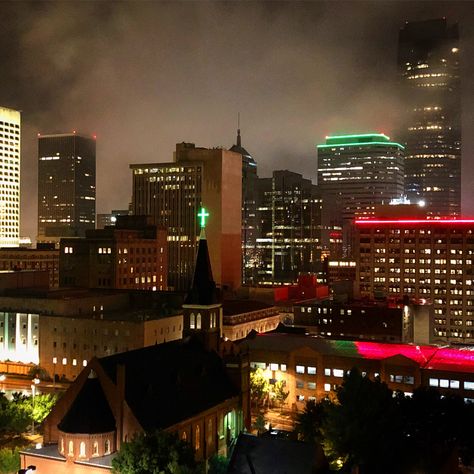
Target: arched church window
<point>198,321</point>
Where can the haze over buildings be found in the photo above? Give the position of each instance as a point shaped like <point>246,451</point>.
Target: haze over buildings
<point>429,60</point>
<point>296,72</point>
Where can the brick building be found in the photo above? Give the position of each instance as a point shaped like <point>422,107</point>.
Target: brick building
<point>130,255</point>
<point>44,257</point>
<point>197,387</point>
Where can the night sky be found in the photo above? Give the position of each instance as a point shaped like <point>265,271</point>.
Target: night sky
<point>143,76</point>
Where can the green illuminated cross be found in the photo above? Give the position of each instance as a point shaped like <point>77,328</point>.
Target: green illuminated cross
<point>203,214</point>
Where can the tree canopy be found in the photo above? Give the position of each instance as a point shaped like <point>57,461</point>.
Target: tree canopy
<point>158,452</point>
<point>369,426</point>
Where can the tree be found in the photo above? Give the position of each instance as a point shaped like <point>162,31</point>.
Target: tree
<point>259,387</point>
<point>310,420</point>
<point>14,414</point>
<point>259,424</point>
<point>158,452</point>
<point>279,393</point>
<point>44,403</point>
<point>40,372</point>
<point>218,465</point>
<point>9,460</point>
<point>363,428</point>
<point>438,430</point>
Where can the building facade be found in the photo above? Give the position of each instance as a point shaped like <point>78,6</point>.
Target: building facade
<point>428,60</point>
<point>422,259</point>
<point>249,213</point>
<point>313,367</point>
<point>366,319</point>
<point>173,194</point>
<point>10,149</point>
<point>360,171</point>
<point>44,257</point>
<point>130,255</point>
<point>66,186</point>
<point>289,215</point>
<point>117,397</point>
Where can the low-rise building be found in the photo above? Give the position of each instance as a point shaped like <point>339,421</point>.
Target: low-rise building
<point>243,316</point>
<point>394,321</point>
<point>180,387</point>
<point>312,366</point>
<point>44,257</point>
<point>62,330</point>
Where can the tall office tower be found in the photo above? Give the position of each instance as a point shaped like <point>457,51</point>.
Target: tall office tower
<point>357,172</point>
<point>9,177</point>
<point>428,58</point>
<point>404,254</point>
<point>173,194</point>
<point>289,210</point>
<point>360,171</point>
<point>66,186</point>
<point>249,213</point>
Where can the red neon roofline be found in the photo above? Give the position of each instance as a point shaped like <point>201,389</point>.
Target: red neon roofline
<point>414,221</point>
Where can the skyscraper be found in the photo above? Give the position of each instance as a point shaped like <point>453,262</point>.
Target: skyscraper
<point>249,212</point>
<point>9,177</point>
<point>173,194</point>
<point>66,186</point>
<point>360,171</point>
<point>289,242</point>
<point>428,59</point>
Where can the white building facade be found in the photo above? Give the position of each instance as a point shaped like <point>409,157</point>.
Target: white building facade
<point>10,121</point>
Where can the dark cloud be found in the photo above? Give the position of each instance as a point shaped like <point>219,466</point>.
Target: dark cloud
<point>144,75</point>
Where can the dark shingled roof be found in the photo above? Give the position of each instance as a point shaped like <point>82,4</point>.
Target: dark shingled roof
<point>203,290</point>
<point>168,383</point>
<point>90,412</point>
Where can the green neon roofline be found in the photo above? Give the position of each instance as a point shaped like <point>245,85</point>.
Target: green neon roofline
<point>335,145</point>
<point>358,135</point>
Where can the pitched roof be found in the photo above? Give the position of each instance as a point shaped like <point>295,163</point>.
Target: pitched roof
<point>90,412</point>
<point>203,290</point>
<point>168,383</point>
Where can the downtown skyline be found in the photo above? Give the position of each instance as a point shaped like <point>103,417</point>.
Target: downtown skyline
<point>146,76</point>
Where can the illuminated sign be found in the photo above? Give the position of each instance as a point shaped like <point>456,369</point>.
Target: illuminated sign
<point>203,215</point>
<point>415,221</point>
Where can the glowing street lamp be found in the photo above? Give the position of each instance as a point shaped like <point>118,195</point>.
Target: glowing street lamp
<point>35,381</point>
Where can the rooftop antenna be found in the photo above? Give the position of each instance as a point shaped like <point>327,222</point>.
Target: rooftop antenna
<point>238,130</point>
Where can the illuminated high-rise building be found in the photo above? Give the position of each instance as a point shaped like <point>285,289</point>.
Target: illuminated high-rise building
<point>249,213</point>
<point>405,255</point>
<point>289,241</point>
<point>428,59</point>
<point>9,177</point>
<point>173,194</point>
<point>360,171</point>
<point>66,186</point>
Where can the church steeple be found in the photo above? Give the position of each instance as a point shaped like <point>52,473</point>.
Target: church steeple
<point>202,310</point>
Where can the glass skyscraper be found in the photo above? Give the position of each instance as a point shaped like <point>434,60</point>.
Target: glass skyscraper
<point>428,58</point>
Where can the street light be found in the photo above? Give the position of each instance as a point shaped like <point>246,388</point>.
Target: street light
<point>35,381</point>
